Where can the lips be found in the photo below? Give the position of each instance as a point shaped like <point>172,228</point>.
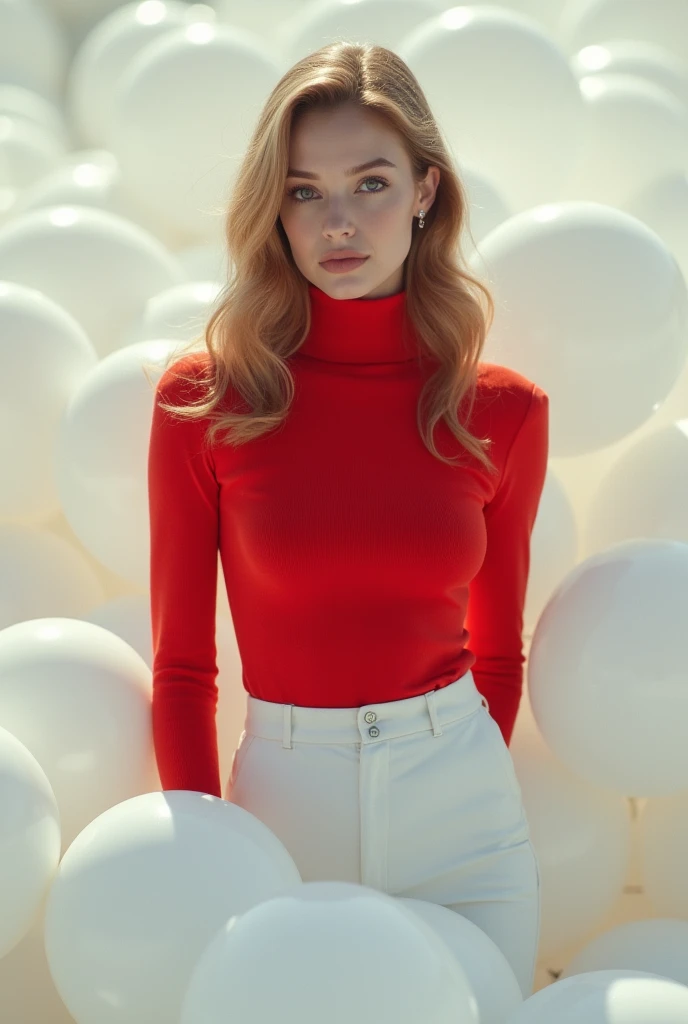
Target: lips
<point>344,256</point>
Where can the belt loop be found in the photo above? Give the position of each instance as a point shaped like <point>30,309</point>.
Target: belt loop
<point>430,699</point>
<point>286,734</point>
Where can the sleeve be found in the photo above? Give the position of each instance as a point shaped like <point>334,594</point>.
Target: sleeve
<point>494,617</point>
<point>183,498</point>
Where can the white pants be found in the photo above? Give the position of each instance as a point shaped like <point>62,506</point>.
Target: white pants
<point>417,798</point>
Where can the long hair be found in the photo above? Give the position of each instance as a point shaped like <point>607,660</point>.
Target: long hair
<point>262,314</point>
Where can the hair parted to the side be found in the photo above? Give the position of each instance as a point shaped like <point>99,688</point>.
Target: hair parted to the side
<point>262,314</point>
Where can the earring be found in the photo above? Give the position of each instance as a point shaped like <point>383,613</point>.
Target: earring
<point>421,221</point>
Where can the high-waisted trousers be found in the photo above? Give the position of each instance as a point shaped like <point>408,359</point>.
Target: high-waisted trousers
<point>417,798</point>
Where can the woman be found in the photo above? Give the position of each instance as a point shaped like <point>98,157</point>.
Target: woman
<point>376,583</point>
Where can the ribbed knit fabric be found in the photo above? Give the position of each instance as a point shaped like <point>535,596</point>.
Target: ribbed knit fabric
<point>359,568</point>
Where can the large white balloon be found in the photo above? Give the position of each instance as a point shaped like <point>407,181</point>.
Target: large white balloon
<point>141,892</point>
<point>29,839</point>
<point>489,973</point>
<point>24,104</point>
<point>633,57</point>
<point>608,669</point>
<point>656,21</point>
<point>101,456</point>
<point>504,94</point>
<point>663,206</point>
<point>664,845</point>
<point>636,132</point>
<point>553,549</point>
<point>182,118</point>
<point>645,492</point>
<point>266,18</point>
<point>29,150</point>
<point>44,355</point>
<point>107,51</point>
<point>179,313</point>
<point>43,575</point>
<point>100,267</point>
<point>546,12</point>
<point>607,997</point>
<point>79,699</point>
<point>129,617</point>
<point>33,47</point>
<point>582,837</point>
<point>592,306</point>
<point>382,22</point>
<point>329,951</point>
<point>657,945</point>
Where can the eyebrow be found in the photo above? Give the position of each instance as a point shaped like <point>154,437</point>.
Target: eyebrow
<point>379,161</point>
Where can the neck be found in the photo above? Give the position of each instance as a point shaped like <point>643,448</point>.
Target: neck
<point>359,330</point>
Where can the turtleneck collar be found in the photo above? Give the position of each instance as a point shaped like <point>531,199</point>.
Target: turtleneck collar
<point>358,330</point>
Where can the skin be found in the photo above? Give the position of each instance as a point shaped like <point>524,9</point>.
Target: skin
<point>336,211</point>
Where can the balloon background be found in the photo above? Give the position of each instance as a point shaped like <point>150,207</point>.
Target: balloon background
<point>121,128</point>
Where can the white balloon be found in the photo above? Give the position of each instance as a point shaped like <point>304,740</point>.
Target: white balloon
<point>636,132</point>
<point>657,945</point>
<point>205,262</point>
<point>107,51</point>
<point>546,12</point>
<point>332,951</point>
<point>91,178</point>
<point>607,997</point>
<point>487,970</point>
<point>664,844</point>
<point>100,267</point>
<point>553,548</point>
<point>382,22</point>
<point>79,699</point>
<point>80,179</point>
<point>664,22</point>
<point>29,150</point>
<point>44,354</point>
<point>582,837</point>
<point>487,208</point>
<point>663,206</point>
<point>177,128</point>
<point>29,839</point>
<point>129,618</point>
<point>525,120</point>
<point>267,19</point>
<point>593,307</point>
<point>633,57</point>
<point>42,575</point>
<point>33,47</point>
<point>101,457</point>
<point>645,492</point>
<point>608,669</point>
<point>140,893</point>
<point>24,104</point>
<point>179,313</point>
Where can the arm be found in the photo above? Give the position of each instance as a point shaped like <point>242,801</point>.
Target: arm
<point>183,497</point>
<point>497,594</point>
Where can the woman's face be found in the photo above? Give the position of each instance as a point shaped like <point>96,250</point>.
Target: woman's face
<point>371,211</point>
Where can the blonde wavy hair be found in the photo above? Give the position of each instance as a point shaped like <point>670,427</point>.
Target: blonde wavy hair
<point>262,314</point>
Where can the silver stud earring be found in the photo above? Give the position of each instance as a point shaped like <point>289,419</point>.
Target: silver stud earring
<point>421,219</point>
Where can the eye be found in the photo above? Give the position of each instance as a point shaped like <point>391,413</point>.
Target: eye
<point>297,188</point>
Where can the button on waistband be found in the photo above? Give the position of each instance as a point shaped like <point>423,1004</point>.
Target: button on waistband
<point>370,716</point>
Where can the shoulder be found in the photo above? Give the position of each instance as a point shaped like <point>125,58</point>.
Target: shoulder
<point>513,412</point>
<point>507,398</point>
<point>182,380</point>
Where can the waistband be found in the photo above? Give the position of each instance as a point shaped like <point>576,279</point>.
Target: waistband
<point>371,723</point>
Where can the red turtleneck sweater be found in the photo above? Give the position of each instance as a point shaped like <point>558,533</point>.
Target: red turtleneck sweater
<point>359,568</point>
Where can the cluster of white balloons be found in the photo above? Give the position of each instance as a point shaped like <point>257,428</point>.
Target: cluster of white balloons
<point>121,127</point>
